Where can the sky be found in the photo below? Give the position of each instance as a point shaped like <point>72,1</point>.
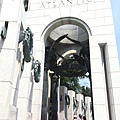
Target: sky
<point>85,82</point>
<point>115,4</point>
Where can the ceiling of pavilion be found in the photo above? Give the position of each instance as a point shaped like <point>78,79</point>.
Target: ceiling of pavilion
<point>73,31</point>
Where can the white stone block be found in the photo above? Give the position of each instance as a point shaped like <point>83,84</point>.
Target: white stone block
<point>95,52</point>
<point>83,7</point>
<point>97,80</point>
<point>103,13</point>
<point>112,64</point>
<point>22,104</point>
<point>47,20</point>
<point>116,95</point>
<point>34,6</point>
<point>38,13</point>
<point>99,0</point>
<point>23,115</point>
<point>96,22</point>
<point>28,15</point>
<point>9,112</point>
<point>36,110</point>
<point>40,20</point>
<point>31,21</point>
<point>96,65</point>
<point>10,10</point>
<point>99,96</point>
<point>111,51</point>
<point>5,94</point>
<point>114,78</point>
<point>83,16</point>
<point>24,87</point>
<point>37,99</point>
<point>36,27</point>
<point>73,10</point>
<point>13,113</point>
<point>11,41</point>
<point>95,6</point>
<point>101,30</point>
<point>98,112</point>
<point>107,4</point>
<point>8,58</point>
<point>109,39</point>
<point>39,46</point>
<point>27,70</point>
<point>108,20</point>
<point>90,14</point>
<point>40,57</point>
<point>117,111</point>
<point>49,12</point>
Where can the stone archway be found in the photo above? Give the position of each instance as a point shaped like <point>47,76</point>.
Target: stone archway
<point>45,36</point>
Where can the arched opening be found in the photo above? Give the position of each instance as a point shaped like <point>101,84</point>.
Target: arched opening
<point>60,36</point>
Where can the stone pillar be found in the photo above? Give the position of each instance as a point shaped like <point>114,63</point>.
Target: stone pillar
<point>100,100</point>
<point>55,83</point>
<point>8,48</point>
<point>88,110</point>
<point>80,100</point>
<point>36,100</point>
<point>23,93</point>
<point>40,89</point>
<point>63,105</point>
<point>70,107</point>
<point>112,71</point>
<point>16,80</point>
<point>45,96</point>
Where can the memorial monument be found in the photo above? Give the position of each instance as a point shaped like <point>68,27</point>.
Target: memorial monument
<point>87,31</point>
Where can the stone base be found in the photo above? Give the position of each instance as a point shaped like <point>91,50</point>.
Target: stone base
<point>10,113</point>
<point>22,115</point>
<point>13,113</point>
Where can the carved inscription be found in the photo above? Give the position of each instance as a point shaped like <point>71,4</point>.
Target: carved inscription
<point>60,3</point>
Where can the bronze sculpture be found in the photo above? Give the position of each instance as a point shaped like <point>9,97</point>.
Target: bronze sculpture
<point>79,65</point>
<point>26,37</point>
<point>36,66</point>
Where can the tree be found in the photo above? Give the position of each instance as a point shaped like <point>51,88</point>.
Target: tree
<point>72,83</point>
<point>85,91</point>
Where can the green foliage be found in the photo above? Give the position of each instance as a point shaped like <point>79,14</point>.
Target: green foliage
<point>71,83</point>
<point>85,91</point>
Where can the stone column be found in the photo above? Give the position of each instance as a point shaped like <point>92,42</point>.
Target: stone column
<point>40,89</point>
<point>44,96</point>
<point>70,107</point>
<point>88,110</point>
<point>98,79</point>
<point>63,105</point>
<point>23,93</point>
<point>15,86</point>
<point>112,70</point>
<point>80,100</point>
<point>8,48</point>
<point>55,83</point>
